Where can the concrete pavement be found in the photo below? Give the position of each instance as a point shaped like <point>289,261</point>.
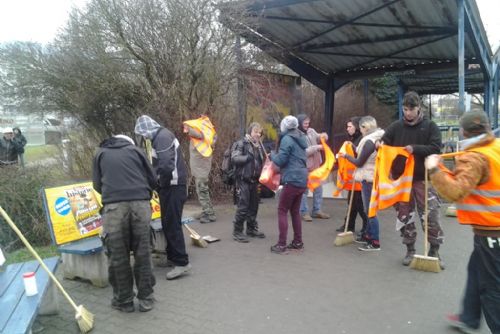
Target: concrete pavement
<point>244,288</point>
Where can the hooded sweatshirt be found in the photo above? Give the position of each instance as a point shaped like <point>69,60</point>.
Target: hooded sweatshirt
<point>291,158</point>
<point>167,156</point>
<point>422,135</point>
<point>121,172</point>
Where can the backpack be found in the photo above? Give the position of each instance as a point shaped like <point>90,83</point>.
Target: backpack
<point>228,171</point>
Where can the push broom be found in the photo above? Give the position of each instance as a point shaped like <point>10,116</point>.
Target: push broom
<point>346,237</point>
<point>424,262</point>
<point>196,239</point>
<point>83,317</point>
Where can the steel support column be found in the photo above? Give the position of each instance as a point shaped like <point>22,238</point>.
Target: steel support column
<point>461,56</point>
<point>400,100</point>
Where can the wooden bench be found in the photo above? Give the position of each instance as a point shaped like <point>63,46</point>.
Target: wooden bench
<point>18,311</point>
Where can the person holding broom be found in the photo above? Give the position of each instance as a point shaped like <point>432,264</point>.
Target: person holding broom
<point>420,137</point>
<point>125,179</point>
<point>365,163</point>
<point>474,185</point>
<point>352,128</point>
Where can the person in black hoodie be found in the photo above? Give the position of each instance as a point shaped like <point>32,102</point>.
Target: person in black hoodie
<point>21,139</point>
<point>172,183</point>
<point>125,180</point>
<point>354,135</point>
<point>420,137</point>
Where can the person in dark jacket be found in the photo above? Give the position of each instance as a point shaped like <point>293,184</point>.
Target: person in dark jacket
<point>9,148</point>
<point>420,137</point>
<point>21,139</point>
<point>354,136</point>
<point>172,183</point>
<point>125,180</point>
<point>292,160</point>
<point>248,159</point>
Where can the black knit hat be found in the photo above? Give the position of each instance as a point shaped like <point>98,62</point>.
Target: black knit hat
<point>475,123</point>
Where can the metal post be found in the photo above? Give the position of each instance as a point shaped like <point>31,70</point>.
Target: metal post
<point>430,107</point>
<point>240,88</point>
<point>329,107</point>
<point>461,56</point>
<point>487,96</point>
<point>400,100</point>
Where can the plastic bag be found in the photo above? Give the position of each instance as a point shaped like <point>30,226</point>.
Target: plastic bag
<point>270,176</point>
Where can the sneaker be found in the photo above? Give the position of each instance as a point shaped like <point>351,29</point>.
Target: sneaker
<point>125,307</point>
<point>369,247</point>
<point>146,305</point>
<point>435,253</point>
<point>279,249</point>
<point>321,215</point>
<point>255,234</point>
<point>361,239</point>
<point>178,271</point>
<point>307,218</point>
<point>212,218</point>
<point>240,237</point>
<point>455,322</point>
<point>408,258</point>
<point>295,245</point>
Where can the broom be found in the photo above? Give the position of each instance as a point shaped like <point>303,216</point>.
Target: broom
<point>196,239</point>
<point>83,317</point>
<point>424,262</point>
<point>346,237</point>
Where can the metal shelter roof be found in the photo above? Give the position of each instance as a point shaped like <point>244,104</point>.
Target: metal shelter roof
<point>354,39</point>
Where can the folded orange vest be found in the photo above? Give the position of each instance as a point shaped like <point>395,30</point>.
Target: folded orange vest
<point>345,173</point>
<point>203,126</point>
<point>386,192</point>
<point>320,174</point>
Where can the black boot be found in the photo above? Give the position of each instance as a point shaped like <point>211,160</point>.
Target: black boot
<point>434,252</point>
<point>410,251</point>
<point>238,232</point>
<point>253,230</point>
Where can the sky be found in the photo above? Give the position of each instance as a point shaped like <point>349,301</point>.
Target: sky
<point>39,20</point>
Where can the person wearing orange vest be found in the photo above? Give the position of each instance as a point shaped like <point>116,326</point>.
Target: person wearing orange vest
<point>420,137</point>
<point>202,138</point>
<point>474,185</point>
<point>365,163</point>
<point>352,128</point>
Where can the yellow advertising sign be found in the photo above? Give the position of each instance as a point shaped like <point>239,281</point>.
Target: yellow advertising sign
<point>73,211</point>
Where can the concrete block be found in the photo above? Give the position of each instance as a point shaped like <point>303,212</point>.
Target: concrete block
<point>92,267</point>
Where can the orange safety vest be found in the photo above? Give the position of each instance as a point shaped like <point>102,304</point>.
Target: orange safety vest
<point>204,127</point>
<point>321,173</point>
<point>386,192</point>
<point>345,173</point>
<point>482,205</point>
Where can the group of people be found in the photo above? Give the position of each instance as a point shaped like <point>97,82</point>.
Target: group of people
<point>12,146</point>
<point>126,180</point>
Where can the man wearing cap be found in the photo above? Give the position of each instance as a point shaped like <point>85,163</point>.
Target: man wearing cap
<point>125,180</point>
<point>10,148</point>
<point>172,189</point>
<point>474,185</point>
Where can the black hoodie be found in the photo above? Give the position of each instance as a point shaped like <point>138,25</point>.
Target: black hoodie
<point>122,173</point>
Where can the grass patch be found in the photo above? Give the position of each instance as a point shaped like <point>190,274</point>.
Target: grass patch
<point>36,153</point>
<point>23,254</point>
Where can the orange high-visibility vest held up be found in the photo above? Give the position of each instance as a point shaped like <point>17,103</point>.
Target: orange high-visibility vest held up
<point>203,126</point>
<point>345,172</point>
<point>386,192</point>
<point>320,174</point>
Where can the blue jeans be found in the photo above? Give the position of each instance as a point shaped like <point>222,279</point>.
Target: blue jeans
<point>482,291</point>
<point>372,230</point>
<point>317,200</point>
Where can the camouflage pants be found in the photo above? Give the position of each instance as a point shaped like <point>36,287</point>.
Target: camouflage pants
<point>204,197</point>
<point>126,228</point>
<point>406,215</point>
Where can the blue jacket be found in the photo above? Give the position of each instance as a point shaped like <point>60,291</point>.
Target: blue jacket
<point>292,159</point>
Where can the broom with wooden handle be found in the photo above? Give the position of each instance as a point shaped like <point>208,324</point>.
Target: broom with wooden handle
<point>84,318</point>
<point>346,237</point>
<point>424,262</point>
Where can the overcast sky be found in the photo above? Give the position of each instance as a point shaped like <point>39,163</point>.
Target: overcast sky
<point>39,20</point>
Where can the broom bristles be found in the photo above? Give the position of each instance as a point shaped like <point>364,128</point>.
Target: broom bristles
<point>344,238</point>
<point>425,263</point>
<point>197,241</point>
<point>85,319</point>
